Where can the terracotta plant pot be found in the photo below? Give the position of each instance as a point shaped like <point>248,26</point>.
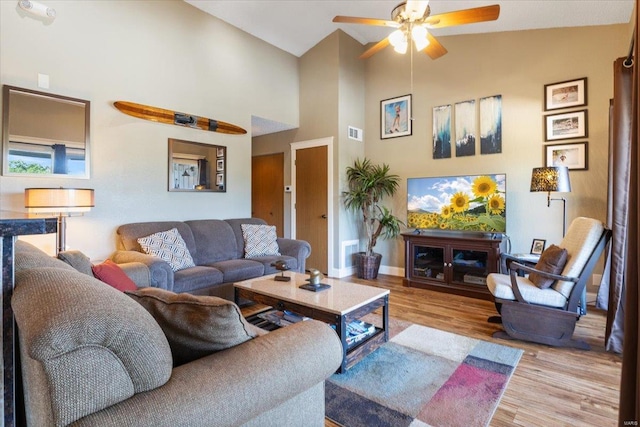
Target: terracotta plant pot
<point>367,266</point>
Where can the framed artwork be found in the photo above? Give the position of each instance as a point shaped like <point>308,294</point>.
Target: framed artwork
<point>220,180</point>
<point>395,117</point>
<point>465,124</point>
<point>537,247</point>
<point>574,156</point>
<point>220,165</point>
<point>565,126</point>
<point>220,152</point>
<point>491,125</point>
<point>572,93</point>
<point>442,132</point>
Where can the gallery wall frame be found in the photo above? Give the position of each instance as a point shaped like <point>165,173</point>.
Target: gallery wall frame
<point>491,124</point>
<point>569,125</point>
<point>395,117</point>
<point>575,156</point>
<point>567,94</point>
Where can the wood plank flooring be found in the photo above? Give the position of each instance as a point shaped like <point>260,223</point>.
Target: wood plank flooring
<point>551,386</point>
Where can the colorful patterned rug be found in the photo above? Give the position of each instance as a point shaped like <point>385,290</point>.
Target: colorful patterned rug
<point>423,377</point>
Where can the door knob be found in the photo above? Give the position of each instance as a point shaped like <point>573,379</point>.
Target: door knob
<point>323,216</point>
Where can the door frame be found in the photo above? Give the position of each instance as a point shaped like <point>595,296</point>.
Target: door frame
<point>328,141</point>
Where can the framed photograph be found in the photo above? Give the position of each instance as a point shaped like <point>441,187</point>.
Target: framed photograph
<point>219,180</point>
<point>465,125</point>
<point>572,93</point>
<point>574,156</point>
<point>442,132</point>
<point>395,117</point>
<point>537,246</point>
<point>565,126</point>
<point>220,165</point>
<point>220,152</point>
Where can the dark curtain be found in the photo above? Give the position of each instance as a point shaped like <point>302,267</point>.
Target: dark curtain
<point>618,207</point>
<point>59,158</point>
<point>629,383</point>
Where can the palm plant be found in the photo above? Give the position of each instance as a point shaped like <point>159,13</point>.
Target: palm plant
<point>368,185</point>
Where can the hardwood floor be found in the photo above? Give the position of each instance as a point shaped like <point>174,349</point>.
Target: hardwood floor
<point>551,386</point>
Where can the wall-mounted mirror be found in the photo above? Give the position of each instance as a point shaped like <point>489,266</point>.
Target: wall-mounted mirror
<point>44,135</point>
<point>194,166</point>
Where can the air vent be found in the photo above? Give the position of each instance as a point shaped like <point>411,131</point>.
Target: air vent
<point>355,133</point>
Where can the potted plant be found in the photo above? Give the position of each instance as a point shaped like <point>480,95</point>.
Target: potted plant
<point>368,184</point>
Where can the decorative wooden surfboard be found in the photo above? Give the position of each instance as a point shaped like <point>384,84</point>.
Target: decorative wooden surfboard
<point>161,115</point>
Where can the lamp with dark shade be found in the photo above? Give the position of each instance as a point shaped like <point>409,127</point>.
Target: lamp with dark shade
<point>553,178</point>
<point>62,201</point>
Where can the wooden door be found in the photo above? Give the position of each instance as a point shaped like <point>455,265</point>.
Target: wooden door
<point>267,189</point>
<point>311,204</point>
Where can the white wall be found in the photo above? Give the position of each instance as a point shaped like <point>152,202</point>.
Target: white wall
<point>161,53</point>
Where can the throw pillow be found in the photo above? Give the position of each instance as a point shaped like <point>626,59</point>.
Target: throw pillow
<point>77,260</point>
<point>111,274</point>
<point>195,325</point>
<point>169,246</point>
<point>552,260</point>
<point>260,240</point>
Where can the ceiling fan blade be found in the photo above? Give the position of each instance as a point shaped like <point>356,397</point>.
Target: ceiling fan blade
<point>435,50</point>
<point>365,21</point>
<point>466,16</point>
<point>375,48</point>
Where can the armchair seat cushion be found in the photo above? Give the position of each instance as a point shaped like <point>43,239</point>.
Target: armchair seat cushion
<point>500,287</point>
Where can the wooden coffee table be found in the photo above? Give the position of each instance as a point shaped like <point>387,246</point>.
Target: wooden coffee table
<point>339,305</point>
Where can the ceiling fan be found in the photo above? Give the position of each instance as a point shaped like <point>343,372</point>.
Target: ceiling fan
<point>413,21</point>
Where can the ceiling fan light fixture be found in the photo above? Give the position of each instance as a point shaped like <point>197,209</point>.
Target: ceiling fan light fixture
<point>398,37</point>
<point>401,47</point>
<point>419,36</point>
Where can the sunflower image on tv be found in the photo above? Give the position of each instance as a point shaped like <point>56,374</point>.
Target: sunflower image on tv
<point>467,203</point>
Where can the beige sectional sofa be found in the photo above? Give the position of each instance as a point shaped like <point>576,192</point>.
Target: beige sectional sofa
<point>93,356</point>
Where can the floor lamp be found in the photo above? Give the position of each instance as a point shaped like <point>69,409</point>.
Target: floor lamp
<point>63,202</point>
<point>553,178</point>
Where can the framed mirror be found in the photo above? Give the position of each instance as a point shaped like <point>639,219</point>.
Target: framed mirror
<point>194,166</point>
<point>44,135</point>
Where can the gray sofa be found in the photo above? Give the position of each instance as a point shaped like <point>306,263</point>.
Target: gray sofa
<point>93,356</point>
<point>217,248</point>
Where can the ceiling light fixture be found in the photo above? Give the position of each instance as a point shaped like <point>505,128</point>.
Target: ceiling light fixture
<point>399,39</point>
<point>38,9</point>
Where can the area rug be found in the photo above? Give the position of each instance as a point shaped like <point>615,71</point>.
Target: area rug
<point>423,377</point>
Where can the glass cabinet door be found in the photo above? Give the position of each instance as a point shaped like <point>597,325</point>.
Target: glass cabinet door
<point>428,262</point>
<point>469,267</point>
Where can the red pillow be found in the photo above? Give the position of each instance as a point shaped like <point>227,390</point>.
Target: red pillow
<point>111,274</point>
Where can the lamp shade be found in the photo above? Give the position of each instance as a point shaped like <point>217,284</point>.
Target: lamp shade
<point>552,178</point>
<point>60,200</point>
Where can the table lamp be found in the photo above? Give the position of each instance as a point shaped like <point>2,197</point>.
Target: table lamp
<point>553,178</point>
<point>62,201</point>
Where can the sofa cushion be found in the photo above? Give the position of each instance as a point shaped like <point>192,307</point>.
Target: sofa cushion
<point>169,246</point>
<point>198,277</point>
<point>214,240</point>
<point>259,240</point>
<point>195,325</point>
<point>77,260</point>
<point>110,273</point>
<point>552,260</point>
<point>235,270</point>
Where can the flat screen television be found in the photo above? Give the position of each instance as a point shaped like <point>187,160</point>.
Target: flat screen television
<point>465,203</point>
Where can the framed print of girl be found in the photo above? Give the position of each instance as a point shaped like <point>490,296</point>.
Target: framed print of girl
<point>395,117</point>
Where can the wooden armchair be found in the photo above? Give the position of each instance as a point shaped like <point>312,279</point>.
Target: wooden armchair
<point>549,316</point>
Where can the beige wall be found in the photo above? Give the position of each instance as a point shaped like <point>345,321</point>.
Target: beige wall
<point>161,53</point>
<point>516,65</point>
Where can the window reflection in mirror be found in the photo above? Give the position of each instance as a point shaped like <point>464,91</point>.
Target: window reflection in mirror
<point>194,166</point>
<point>44,134</point>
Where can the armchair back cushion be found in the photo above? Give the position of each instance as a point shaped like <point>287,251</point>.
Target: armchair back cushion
<point>580,241</point>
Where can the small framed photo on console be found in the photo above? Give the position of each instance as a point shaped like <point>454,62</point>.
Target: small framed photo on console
<point>537,246</point>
